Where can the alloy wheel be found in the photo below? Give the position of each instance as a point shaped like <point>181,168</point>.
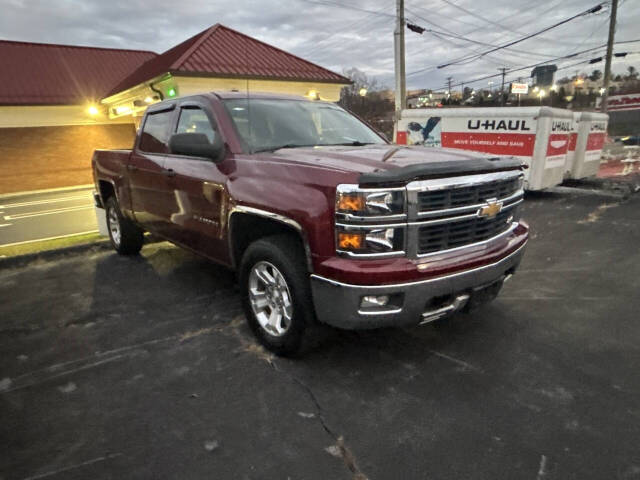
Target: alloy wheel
<point>270,298</point>
<point>114,226</point>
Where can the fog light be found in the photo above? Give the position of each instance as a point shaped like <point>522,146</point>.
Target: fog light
<point>374,301</point>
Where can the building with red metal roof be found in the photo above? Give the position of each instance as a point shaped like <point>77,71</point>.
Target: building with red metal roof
<point>46,74</point>
<point>220,58</point>
<point>60,102</point>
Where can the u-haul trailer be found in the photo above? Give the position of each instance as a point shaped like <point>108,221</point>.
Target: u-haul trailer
<point>538,135</point>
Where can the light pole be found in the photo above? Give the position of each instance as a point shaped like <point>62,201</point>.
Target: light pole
<point>363,93</point>
<point>398,44</point>
<point>607,63</point>
<point>541,94</point>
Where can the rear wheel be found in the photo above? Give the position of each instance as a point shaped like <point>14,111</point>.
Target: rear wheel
<point>276,294</point>
<point>126,237</point>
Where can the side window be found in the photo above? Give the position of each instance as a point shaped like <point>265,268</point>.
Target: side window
<point>194,120</point>
<point>155,133</point>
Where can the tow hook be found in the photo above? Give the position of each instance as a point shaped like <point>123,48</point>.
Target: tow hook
<point>457,303</point>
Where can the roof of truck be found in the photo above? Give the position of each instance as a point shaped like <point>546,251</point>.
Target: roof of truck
<point>240,94</point>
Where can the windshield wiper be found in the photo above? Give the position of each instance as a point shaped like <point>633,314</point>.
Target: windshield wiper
<point>279,147</point>
<point>355,143</point>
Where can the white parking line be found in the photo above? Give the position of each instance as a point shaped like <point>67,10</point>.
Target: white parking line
<point>44,202</point>
<point>19,216</point>
<point>48,238</point>
<point>46,190</point>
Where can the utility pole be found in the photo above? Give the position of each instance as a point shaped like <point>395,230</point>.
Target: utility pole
<point>398,45</point>
<point>504,72</point>
<point>449,79</point>
<point>607,65</point>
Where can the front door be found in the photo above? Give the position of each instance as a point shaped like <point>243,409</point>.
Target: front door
<point>147,174</point>
<point>199,198</point>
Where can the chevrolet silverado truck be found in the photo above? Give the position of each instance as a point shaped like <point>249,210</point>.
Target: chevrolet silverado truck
<point>324,221</point>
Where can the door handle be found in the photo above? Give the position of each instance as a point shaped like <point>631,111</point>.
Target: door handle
<point>169,172</point>
<point>131,168</point>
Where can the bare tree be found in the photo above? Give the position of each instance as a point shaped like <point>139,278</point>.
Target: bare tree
<point>595,75</point>
<point>366,98</point>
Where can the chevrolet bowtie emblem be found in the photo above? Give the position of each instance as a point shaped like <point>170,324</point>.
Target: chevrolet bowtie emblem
<point>491,209</point>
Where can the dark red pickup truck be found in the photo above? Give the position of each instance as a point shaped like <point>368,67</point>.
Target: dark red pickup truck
<point>322,218</point>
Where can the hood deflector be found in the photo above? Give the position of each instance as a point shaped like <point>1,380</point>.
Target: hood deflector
<point>440,169</point>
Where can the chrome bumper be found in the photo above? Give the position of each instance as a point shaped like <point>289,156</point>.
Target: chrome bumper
<point>338,303</point>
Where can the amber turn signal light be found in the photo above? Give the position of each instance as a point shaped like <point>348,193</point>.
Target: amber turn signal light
<point>350,241</point>
<point>350,202</point>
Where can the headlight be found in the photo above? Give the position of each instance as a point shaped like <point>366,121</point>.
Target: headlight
<point>370,222</point>
<point>369,203</point>
<point>370,240</point>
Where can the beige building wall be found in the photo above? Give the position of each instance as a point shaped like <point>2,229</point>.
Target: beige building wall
<point>131,102</point>
<point>49,116</point>
<point>34,158</point>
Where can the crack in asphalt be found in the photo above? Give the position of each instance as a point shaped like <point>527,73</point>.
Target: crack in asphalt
<point>340,449</point>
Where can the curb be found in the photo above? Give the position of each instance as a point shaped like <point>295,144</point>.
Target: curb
<point>21,260</point>
<point>98,245</point>
<point>586,192</point>
<point>621,187</point>
<point>46,190</point>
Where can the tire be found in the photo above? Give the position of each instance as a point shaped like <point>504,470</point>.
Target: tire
<point>126,237</point>
<point>282,258</point>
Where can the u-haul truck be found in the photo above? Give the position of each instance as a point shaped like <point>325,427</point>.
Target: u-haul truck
<point>592,132</point>
<point>538,135</point>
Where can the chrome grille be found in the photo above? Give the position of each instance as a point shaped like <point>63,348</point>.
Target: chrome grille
<point>468,195</point>
<point>445,236</point>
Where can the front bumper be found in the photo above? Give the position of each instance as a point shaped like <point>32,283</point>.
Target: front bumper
<point>338,303</point>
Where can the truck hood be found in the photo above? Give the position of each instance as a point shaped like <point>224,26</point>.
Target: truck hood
<point>396,163</point>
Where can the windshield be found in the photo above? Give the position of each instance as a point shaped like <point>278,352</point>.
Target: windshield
<point>281,123</point>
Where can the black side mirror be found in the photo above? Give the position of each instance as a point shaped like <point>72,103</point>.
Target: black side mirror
<point>197,145</point>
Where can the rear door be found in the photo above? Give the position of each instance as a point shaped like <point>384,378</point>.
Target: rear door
<point>147,175</point>
<point>199,200</point>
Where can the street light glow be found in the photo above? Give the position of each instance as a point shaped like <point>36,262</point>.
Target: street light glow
<point>363,92</point>
<point>122,109</point>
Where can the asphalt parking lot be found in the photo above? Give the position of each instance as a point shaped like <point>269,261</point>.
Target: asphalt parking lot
<point>143,368</point>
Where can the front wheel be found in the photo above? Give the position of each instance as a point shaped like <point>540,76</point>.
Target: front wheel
<point>276,294</point>
<point>126,237</point>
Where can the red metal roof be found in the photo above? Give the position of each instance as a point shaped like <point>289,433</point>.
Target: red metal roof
<point>220,51</point>
<point>48,74</point>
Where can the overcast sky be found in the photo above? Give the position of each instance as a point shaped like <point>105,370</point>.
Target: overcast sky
<point>337,37</point>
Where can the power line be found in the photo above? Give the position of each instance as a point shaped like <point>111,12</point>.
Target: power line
<point>486,77</point>
<point>336,39</point>
<point>475,55</point>
<point>450,33</point>
<point>478,16</point>
<point>349,7</point>
<point>526,37</point>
